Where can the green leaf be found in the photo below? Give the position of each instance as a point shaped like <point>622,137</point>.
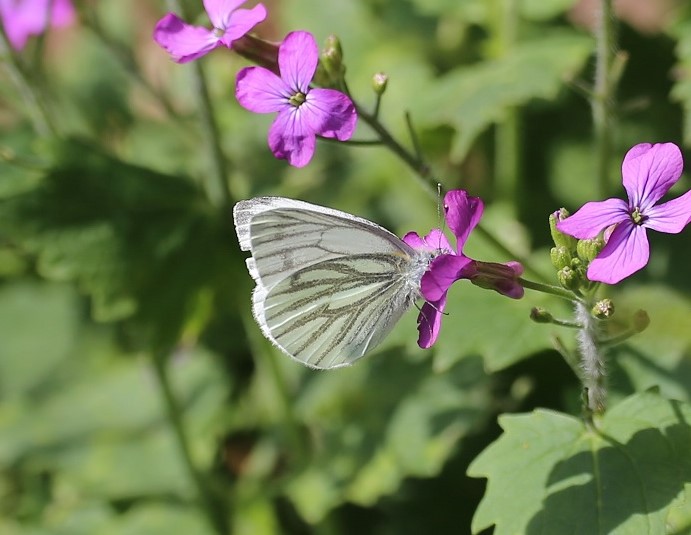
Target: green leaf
<point>661,355</point>
<point>140,243</point>
<point>550,473</point>
<point>483,322</point>
<point>472,98</point>
<point>106,432</point>
<point>38,326</point>
<point>475,11</point>
<point>478,11</point>
<point>379,422</point>
<point>545,9</point>
<point>160,519</point>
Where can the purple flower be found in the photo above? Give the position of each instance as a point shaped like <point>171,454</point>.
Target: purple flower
<point>185,42</point>
<point>462,215</point>
<point>23,18</point>
<point>648,171</point>
<point>303,112</point>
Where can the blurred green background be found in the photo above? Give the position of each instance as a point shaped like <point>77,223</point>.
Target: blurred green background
<point>137,395</point>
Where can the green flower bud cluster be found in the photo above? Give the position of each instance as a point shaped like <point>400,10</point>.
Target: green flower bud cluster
<point>571,256</point>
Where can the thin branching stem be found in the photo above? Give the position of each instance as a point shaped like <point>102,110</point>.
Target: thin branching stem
<point>548,289</point>
<point>602,100</point>
<point>216,184</point>
<point>38,111</point>
<point>173,409</point>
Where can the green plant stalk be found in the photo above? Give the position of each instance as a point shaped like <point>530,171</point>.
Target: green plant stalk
<point>214,510</point>
<point>593,365</point>
<point>422,171</point>
<point>123,54</point>
<point>507,132</point>
<point>425,178</point>
<point>272,369</point>
<point>603,97</point>
<point>38,110</point>
<point>549,289</point>
<point>216,184</point>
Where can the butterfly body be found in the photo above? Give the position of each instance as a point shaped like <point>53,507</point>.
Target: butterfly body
<point>330,285</point>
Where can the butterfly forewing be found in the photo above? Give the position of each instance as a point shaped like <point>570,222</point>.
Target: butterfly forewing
<point>330,285</point>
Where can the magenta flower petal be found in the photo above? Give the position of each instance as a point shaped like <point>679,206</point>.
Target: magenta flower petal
<point>435,241</point>
<point>429,322</point>
<point>241,22</point>
<point>670,217</point>
<point>297,60</point>
<point>33,17</point>
<point>626,252</point>
<point>63,13</point>
<point>463,213</point>
<point>649,171</point>
<point>330,113</point>
<point>220,11</point>
<point>303,112</point>
<point>290,140</point>
<point>183,41</point>
<point>414,240</point>
<point>442,272</point>
<point>593,217</point>
<point>261,91</point>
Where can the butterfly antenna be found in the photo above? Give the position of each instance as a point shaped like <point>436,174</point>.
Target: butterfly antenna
<point>419,309</point>
<point>441,213</point>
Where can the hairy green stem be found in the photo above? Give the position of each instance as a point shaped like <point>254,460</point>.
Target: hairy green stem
<point>593,367</point>
<point>214,510</point>
<point>602,101</point>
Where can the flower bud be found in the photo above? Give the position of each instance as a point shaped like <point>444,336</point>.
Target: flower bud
<point>641,320</point>
<point>540,315</point>
<point>560,256</point>
<point>259,51</point>
<point>502,278</point>
<point>561,239</point>
<point>379,83</point>
<point>589,249</point>
<point>603,309</point>
<point>332,59</point>
<point>569,278</point>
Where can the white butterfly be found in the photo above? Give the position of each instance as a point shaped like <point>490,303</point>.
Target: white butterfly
<point>330,285</point>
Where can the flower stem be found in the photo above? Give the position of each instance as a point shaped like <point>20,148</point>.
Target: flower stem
<point>548,289</point>
<point>89,18</point>
<point>216,185</point>
<point>39,113</point>
<point>602,101</point>
<point>507,132</point>
<point>593,369</point>
<point>214,510</point>
<point>417,164</point>
<point>424,174</point>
